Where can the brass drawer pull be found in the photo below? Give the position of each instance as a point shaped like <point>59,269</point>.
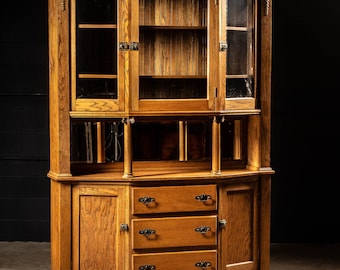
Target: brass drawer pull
<point>203,197</point>
<point>202,229</point>
<point>147,232</point>
<point>146,200</point>
<point>203,265</point>
<point>147,267</point>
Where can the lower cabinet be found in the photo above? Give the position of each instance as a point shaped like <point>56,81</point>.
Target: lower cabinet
<point>238,239</point>
<point>99,240</point>
<point>212,226</point>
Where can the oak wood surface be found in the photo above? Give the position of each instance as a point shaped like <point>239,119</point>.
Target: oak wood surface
<point>178,56</point>
<point>174,199</point>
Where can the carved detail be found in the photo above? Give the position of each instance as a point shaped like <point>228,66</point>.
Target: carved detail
<point>267,7</point>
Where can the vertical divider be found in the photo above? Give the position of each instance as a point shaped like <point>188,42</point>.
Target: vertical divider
<point>237,149</point>
<point>128,147</point>
<point>100,142</point>
<point>216,146</point>
<point>183,140</point>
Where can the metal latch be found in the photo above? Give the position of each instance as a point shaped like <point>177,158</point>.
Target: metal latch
<point>124,227</point>
<point>134,46</point>
<point>125,46</point>
<point>223,46</point>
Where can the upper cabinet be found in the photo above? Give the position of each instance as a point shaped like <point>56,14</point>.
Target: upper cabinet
<point>171,66</point>
<point>97,64</point>
<point>238,54</point>
<point>162,56</point>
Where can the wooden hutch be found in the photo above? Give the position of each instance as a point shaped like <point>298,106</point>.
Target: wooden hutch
<point>160,134</point>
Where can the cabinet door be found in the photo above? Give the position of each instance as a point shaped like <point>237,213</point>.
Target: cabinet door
<point>97,213</point>
<point>170,67</point>
<point>238,238</point>
<point>97,64</point>
<point>237,54</point>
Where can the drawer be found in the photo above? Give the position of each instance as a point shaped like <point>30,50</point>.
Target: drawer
<point>174,232</point>
<point>188,260</point>
<point>147,200</point>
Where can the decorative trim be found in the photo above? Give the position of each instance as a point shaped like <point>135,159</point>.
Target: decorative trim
<point>267,7</point>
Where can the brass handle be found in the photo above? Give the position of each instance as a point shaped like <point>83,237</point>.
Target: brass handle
<point>202,229</point>
<point>147,232</point>
<point>147,267</point>
<point>146,200</point>
<point>203,197</point>
<point>203,265</point>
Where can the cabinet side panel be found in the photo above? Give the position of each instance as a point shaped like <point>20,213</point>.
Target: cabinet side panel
<point>266,82</point>
<point>265,222</point>
<point>60,226</point>
<point>59,88</point>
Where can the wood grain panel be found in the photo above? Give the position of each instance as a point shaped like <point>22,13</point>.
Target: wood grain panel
<point>174,232</point>
<point>176,260</point>
<point>174,199</point>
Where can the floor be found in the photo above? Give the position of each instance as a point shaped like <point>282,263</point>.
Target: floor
<point>35,256</point>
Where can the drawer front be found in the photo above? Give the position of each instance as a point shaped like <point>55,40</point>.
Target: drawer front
<point>189,260</point>
<point>148,200</point>
<point>174,232</point>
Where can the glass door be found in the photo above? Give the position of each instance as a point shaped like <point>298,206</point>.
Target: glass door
<point>171,62</point>
<point>237,45</point>
<point>97,64</point>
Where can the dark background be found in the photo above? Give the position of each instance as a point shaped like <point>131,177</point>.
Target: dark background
<point>305,133</point>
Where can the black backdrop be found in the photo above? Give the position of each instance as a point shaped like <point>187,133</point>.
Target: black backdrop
<point>305,135</point>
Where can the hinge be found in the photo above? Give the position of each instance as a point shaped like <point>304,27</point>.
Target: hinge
<point>130,120</point>
<point>133,46</point>
<point>223,46</point>
<point>125,46</point>
<point>63,5</point>
<point>222,223</point>
<point>124,227</point>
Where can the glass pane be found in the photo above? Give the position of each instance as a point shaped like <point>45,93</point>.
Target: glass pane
<point>240,53</point>
<point>172,49</point>
<point>172,88</point>
<point>238,12</point>
<point>173,12</point>
<point>237,53</point>
<point>97,11</point>
<point>97,88</point>
<point>240,87</point>
<point>171,52</point>
<point>97,51</point>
